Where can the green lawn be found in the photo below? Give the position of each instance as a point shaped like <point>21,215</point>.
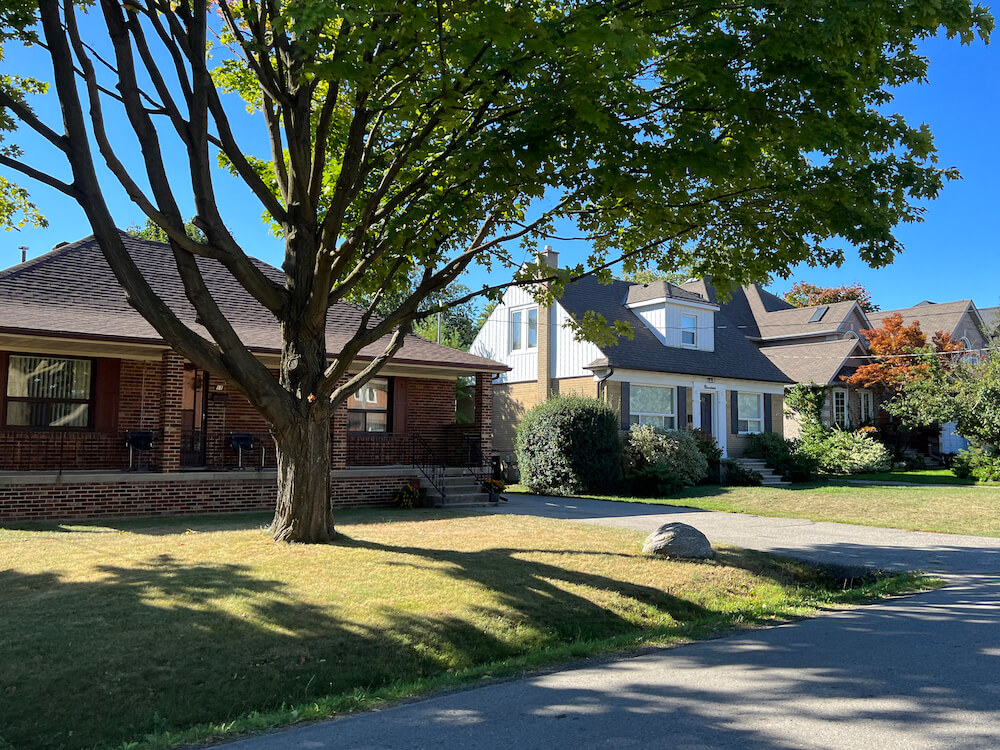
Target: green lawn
<point>944,508</point>
<point>920,476</point>
<point>166,632</point>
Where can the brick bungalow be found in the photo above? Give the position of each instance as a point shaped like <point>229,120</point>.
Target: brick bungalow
<point>102,418</point>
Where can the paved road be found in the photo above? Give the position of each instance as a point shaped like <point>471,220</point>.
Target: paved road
<point>918,672</point>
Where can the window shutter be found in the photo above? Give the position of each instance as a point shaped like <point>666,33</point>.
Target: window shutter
<point>682,407</point>
<point>398,407</point>
<point>107,394</point>
<point>734,412</point>
<point>768,427</point>
<point>626,413</point>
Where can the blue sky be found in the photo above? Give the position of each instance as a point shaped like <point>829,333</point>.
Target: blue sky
<point>952,255</point>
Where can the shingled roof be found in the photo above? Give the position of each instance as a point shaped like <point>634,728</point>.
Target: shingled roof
<point>71,292</point>
<point>821,362</point>
<point>734,355</point>
<point>933,317</point>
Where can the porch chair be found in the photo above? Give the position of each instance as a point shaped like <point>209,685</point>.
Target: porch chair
<point>244,441</point>
<point>138,442</point>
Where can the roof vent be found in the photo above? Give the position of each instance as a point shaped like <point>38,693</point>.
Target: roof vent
<point>59,245</point>
<point>817,316</point>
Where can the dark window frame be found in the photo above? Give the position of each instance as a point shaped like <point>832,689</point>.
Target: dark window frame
<point>364,412</point>
<point>91,401</point>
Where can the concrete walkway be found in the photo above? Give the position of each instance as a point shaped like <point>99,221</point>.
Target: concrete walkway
<point>916,672</point>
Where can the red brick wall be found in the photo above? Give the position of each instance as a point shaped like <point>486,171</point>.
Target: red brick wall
<point>151,496</point>
<point>430,405</point>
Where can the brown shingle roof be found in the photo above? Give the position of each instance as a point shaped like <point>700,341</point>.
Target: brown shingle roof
<point>796,321</point>
<point>638,293</point>
<point>71,291</point>
<point>944,316</point>
<point>819,362</point>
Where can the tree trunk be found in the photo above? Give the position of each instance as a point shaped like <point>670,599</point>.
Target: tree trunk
<point>303,512</point>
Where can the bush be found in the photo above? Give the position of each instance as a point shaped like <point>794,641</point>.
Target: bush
<point>662,462</point>
<point>569,444</point>
<point>786,457</point>
<point>710,449</point>
<point>737,475</point>
<point>978,463</point>
<point>843,452</point>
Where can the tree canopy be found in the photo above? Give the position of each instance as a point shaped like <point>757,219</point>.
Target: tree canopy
<point>915,377</point>
<point>804,294</point>
<point>411,140</point>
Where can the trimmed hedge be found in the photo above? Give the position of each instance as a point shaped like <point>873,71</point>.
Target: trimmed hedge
<point>569,444</point>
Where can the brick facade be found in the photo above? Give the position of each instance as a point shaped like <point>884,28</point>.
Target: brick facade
<point>149,396</point>
<point>42,497</point>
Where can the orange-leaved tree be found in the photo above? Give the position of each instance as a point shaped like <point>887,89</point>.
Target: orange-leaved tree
<point>911,374</point>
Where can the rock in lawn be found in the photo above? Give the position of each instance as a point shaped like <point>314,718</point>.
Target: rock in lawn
<point>678,540</point>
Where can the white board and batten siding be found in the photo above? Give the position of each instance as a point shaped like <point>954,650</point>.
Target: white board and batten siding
<point>569,356</point>
<point>493,340</point>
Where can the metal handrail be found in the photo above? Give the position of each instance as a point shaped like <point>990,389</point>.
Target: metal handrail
<point>480,465</point>
<point>422,458</point>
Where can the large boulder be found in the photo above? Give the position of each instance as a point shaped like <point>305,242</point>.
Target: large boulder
<point>678,540</point>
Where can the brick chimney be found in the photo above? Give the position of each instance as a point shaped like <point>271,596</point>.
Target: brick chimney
<point>550,258</point>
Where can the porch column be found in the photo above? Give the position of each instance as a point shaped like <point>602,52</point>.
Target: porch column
<point>484,411</point>
<point>171,404</point>
<point>338,438</point>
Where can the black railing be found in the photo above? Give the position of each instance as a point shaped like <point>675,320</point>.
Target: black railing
<point>428,463</point>
<point>143,450</point>
<point>480,465</point>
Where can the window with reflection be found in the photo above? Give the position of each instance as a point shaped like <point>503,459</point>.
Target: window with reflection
<point>49,391</point>
<point>368,407</point>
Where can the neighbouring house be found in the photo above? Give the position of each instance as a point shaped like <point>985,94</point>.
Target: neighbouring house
<point>811,345</point>
<point>963,321</point>
<point>991,319</point>
<point>101,417</point>
<point>687,365</point>
<point>823,344</point>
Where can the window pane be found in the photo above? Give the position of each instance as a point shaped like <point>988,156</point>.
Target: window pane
<point>651,419</point>
<point>377,421</point>
<point>372,395</point>
<point>750,406</point>
<point>355,421</point>
<point>689,327</point>
<point>47,414</point>
<point>46,377</point>
<point>651,399</point>
<point>742,425</point>
<point>533,328</point>
<point>515,330</point>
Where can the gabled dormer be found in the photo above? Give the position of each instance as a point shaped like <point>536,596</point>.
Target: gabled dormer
<point>678,318</point>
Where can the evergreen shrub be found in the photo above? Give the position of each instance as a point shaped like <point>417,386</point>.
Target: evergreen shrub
<point>569,444</point>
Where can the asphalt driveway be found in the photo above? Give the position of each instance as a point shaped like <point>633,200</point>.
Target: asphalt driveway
<point>915,672</point>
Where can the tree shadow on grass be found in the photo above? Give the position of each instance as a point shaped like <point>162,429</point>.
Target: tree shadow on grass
<point>163,645</point>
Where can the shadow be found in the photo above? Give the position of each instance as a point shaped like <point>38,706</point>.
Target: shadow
<point>917,673</point>
<point>160,643</point>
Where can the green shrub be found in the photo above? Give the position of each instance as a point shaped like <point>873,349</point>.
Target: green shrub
<point>662,462</point>
<point>843,452</point>
<point>737,475</point>
<point>786,457</point>
<point>961,464</point>
<point>569,444</point>
<point>976,462</point>
<point>710,449</point>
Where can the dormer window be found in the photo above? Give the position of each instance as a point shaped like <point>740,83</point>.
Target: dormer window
<point>689,330</point>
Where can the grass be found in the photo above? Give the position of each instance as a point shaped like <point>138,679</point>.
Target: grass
<point>946,509</point>
<point>921,476</point>
<point>157,633</point>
